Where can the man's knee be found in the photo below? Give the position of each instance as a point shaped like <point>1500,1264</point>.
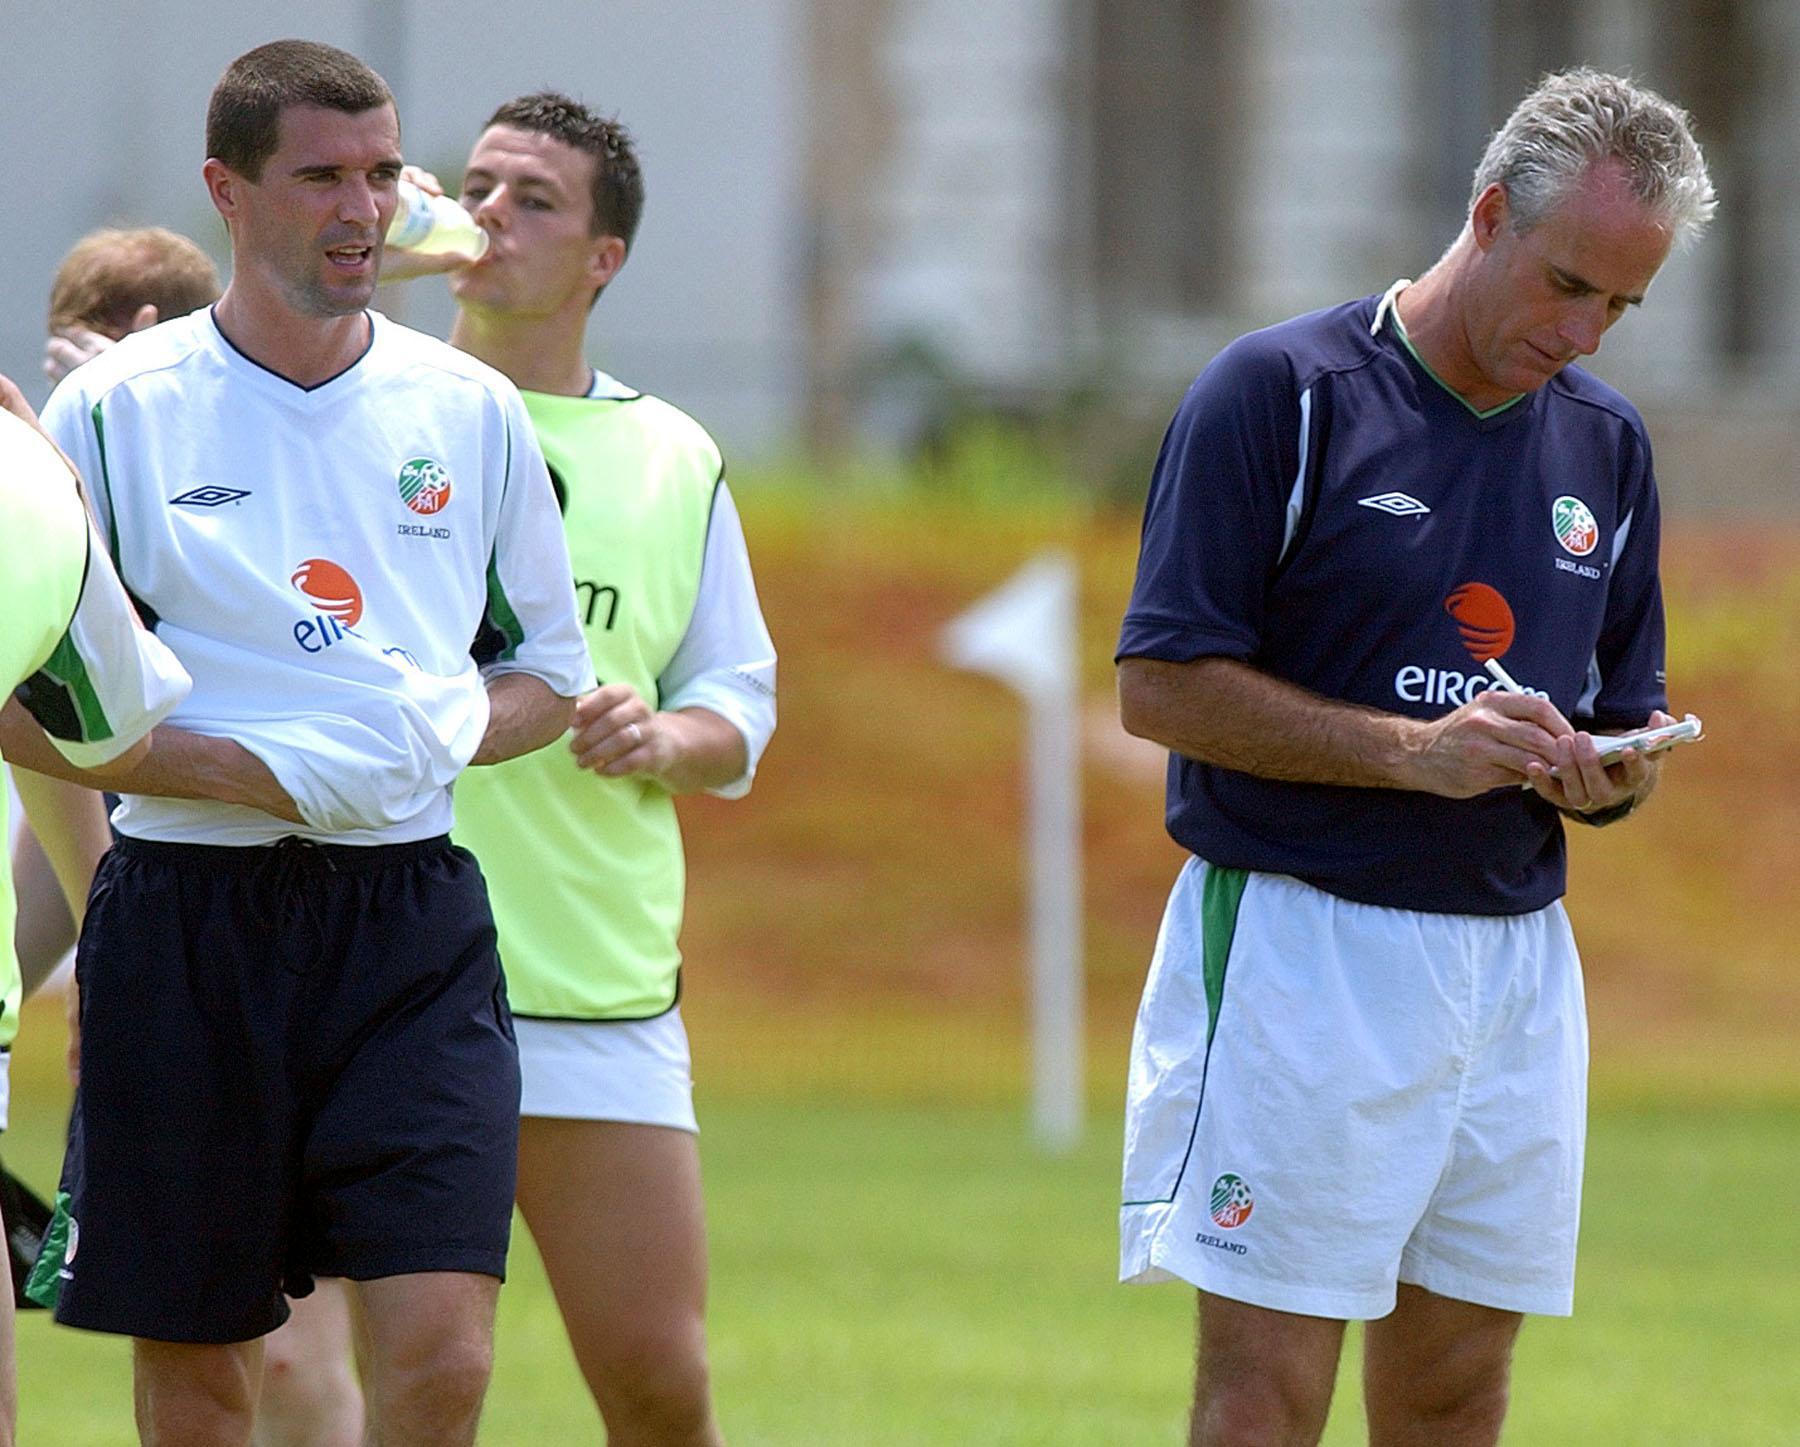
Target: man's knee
<point>194,1396</point>
<point>1260,1408</point>
<point>1262,1377</point>
<point>304,1396</point>
<point>1252,1413</point>
<point>430,1352</point>
<point>655,1377</point>
<point>1465,1403</point>
<point>438,1381</point>
<point>1438,1370</point>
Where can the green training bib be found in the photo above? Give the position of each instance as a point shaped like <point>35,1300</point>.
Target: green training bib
<point>586,873</point>
<point>43,559</point>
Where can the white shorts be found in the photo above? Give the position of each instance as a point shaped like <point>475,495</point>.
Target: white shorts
<point>1327,1098</point>
<point>635,1071</point>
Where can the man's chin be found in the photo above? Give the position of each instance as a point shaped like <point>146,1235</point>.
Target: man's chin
<point>470,288</point>
<point>329,303</point>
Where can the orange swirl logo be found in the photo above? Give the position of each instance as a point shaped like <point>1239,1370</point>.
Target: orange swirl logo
<point>330,589</point>
<point>1483,618</point>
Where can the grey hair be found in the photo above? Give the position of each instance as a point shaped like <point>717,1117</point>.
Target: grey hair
<point>1577,118</point>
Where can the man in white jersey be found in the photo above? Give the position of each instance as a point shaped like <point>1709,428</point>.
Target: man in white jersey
<point>581,847</point>
<point>346,532</point>
<point>82,664</point>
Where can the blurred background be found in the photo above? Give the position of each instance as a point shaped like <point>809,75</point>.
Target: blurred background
<point>869,220</point>
<point>936,274</point>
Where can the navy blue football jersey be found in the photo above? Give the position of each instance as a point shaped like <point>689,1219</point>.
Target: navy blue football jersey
<point>1326,510</point>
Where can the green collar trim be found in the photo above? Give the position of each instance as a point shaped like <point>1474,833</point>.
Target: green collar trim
<point>1389,307</point>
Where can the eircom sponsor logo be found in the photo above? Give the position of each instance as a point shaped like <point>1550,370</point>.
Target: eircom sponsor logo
<point>1484,622</point>
<point>1483,618</point>
<point>339,603</point>
<point>336,596</point>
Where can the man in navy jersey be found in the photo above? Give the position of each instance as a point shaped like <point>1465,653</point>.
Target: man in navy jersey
<point>1399,565</point>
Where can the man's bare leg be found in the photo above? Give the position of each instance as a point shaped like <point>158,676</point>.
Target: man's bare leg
<point>430,1341</point>
<point>1262,1378</point>
<point>9,1367</point>
<point>310,1393</point>
<point>43,930</point>
<point>190,1395</point>
<point>1436,1372</point>
<point>616,1212</point>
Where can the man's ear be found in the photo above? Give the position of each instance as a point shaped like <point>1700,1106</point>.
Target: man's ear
<point>144,317</point>
<point>605,260</point>
<point>1490,215</point>
<point>224,186</point>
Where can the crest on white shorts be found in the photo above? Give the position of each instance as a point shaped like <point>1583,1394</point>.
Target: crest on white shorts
<point>1232,1201</point>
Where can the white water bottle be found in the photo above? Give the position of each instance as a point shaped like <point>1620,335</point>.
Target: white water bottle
<point>434,226</point>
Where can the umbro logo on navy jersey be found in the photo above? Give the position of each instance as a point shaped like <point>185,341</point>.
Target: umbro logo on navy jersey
<point>210,496</point>
<point>1396,504</point>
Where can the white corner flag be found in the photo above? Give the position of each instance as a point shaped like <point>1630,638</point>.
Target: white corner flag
<point>1024,633</point>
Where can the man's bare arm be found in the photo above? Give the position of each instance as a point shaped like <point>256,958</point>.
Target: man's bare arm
<point>524,713</point>
<point>1227,713</point>
<point>70,824</point>
<point>1224,712</point>
<point>169,762</point>
<point>686,750</point>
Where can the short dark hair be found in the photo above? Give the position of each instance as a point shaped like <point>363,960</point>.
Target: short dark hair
<point>243,118</point>
<point>618,186</point>
<point>109,274</point>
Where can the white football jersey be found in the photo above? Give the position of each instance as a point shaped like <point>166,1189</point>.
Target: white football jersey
<point>337,566</point>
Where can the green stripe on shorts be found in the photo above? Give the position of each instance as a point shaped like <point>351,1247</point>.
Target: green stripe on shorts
<point>1220,897</point>
<point>44,1285</point>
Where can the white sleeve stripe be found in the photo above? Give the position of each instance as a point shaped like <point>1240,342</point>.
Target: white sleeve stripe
<point>1296,503</point>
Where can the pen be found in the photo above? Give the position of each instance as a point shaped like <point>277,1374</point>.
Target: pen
<point>1508,684</point>
<point>1502,677</point>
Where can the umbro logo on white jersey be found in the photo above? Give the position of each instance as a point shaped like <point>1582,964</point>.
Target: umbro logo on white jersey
<point>1399,504</point>
<point>210,496</point>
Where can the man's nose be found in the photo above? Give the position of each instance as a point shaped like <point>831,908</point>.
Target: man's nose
<point>1580,330</point>
<point>358,203</point>
<point>491,210</point>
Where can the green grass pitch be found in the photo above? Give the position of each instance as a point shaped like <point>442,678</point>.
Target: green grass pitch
<point>914,1274</point>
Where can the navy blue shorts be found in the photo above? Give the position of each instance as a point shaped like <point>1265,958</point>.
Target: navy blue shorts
<point>295,1061</point>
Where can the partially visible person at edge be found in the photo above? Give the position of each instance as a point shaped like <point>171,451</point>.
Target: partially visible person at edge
<point>111,283</point>
<point>114,282</point>
<point>581,847</point>
<point>291,999</point>
<point>1358,1079</point>
<point>88,672</point>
